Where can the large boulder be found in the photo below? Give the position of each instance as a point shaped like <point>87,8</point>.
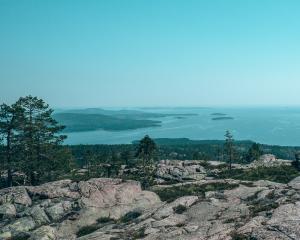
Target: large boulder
<point>43,233</point>
<point>7,211</point>
<point>15,195</point>
<point>21,226</point>
<point>180,170</point>
<point>59,210</point>
<point>58,189</point>
<point>295,183</point>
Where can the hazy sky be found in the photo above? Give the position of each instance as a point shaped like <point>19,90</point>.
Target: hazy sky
<point>151,52</point>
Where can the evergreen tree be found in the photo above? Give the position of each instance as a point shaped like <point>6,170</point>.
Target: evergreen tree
<point>38,135</point>
<point>146,152</point>
<point>125,157</point>
<point>9,120</point>
<point>254,152</point>
<point>229,148</point>
<point>296,162</point>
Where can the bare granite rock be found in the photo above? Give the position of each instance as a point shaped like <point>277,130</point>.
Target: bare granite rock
<point>107,209</point>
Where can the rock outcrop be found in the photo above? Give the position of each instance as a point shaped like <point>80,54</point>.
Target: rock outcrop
<point>176,170</point>
<point>268,160</point>
<point>58,210</point>
<point>108,209</point>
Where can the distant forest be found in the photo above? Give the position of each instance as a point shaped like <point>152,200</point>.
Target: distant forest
<point>186,149</point>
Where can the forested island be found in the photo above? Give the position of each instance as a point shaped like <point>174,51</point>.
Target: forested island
<point>91,119</point>
<point>222,118</point>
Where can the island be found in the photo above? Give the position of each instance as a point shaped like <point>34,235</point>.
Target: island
<point>91,119</point>
<point>222,118</point>
<point>77,122</point>
<point>218,114</point>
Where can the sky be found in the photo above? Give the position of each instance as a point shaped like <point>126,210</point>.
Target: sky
<point>127,53</point>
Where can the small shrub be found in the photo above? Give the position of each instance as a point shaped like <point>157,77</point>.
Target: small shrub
<point>87,230</point>
<point>180,209</point>
<point>281,174</point>
<point>260,207</point>
<point>139,234</point>
<point>229,220</point>
<point>169,194</point>
<point>180,225</point>
<point>104,220</point>
<point>130,216</point>
<point>21,237</point>
<point>238,236</point>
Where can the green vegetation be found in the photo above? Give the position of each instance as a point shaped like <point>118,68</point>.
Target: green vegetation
<point>91,119</point>
<point>169,194</point>
<point>105,220</point>
<point>139,234</point>
<point>77,122</point>
<point>238,236</point>
<point>130,216</point>
<point>126,114</point>
<point>281,174</point>
<point>31,142</point>
<point>146,151</point>
<point>229,149</point>
<point>31,150</point>
<point>180,209</point>
<point>254,152</point>
<point>222,118</point>
<point>262,207</point>
<point>87,230</point>
<point>218,114</point>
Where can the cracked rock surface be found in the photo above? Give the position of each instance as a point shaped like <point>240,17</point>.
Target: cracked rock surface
<point>110,209</point>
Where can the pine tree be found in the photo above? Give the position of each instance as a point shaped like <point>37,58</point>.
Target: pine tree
<point>38,135</point>
<point>146,151</point>
<point>254,152</point>
<point>9,117</point>
<point>229,148</point>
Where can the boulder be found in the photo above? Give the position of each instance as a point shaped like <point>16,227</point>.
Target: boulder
<point>39,216</point>
<point>295,183</point>
<point>43,233</point>
<point>107,192</point>
<point>180,170</point>
<point>16,195</point>
<point>20,226</point>
<point>7,211</point>
<point>57,189</point>
<point>59,210</point>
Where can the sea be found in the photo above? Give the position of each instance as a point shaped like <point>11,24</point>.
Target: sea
<point>266,125</point>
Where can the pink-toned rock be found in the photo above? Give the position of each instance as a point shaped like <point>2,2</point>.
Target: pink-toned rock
<point>102,192</point>
<point>58,189</point>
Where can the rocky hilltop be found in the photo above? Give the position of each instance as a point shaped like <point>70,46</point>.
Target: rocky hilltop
<point>110,209</point>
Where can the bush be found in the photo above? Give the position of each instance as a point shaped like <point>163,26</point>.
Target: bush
<point>130,216</point>
<point>237,236</point>
<point>281,174</point>
<point>87,230</point>
<point>139,234</point>
<point>262,207</point>
<point>104,220</point>
<point>180,209</point>
<point>169,194</point>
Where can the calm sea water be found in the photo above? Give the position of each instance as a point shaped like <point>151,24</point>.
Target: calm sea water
<point>279,126</point>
